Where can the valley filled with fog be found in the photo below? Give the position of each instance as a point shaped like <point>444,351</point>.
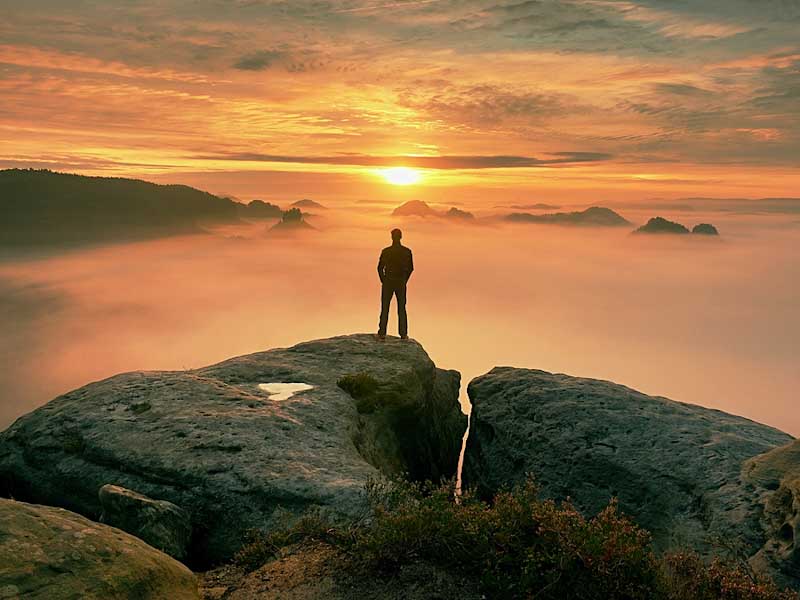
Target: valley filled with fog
<point>708,321</point>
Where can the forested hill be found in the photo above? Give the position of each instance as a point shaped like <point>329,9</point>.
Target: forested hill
<point>44,208</point>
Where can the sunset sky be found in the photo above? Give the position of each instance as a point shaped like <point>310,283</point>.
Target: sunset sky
<point>631,99</point>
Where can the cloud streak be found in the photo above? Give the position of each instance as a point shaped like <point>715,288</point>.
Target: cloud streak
<point>423,162</point>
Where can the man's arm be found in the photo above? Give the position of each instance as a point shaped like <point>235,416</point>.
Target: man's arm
<point>381,267</point>
<point>410,264</point>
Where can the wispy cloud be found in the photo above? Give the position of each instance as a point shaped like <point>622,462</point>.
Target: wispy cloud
<point>485,84</point>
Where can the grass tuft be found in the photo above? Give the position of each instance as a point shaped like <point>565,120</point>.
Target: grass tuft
<point>363,388</point>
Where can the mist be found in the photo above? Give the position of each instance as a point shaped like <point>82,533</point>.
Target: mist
<point>708,321</point>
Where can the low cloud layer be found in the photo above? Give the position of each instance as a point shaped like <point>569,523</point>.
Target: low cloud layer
<point>713,322</point>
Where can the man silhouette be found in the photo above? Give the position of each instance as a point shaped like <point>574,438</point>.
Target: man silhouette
<point>394,268</point>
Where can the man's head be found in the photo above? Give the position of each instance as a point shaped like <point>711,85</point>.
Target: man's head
<point>397,235</point>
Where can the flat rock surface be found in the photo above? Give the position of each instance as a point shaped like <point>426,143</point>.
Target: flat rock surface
<point>50,553</point>
<point>215,444</point>
<point>676,468</point>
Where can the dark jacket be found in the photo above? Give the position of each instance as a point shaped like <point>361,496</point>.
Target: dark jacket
<point>396,263</point>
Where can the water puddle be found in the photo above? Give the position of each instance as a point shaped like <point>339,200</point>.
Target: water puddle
<point>283,391</point>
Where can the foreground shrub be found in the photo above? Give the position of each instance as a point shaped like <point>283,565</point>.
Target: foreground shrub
<point>518,546</point>
<point>689,577</point>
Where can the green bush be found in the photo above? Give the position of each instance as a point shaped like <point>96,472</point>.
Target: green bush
<point>517,546</point>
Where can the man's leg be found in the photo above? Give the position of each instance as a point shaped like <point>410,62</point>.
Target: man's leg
<point>386,299</point>
<point>402,317</point>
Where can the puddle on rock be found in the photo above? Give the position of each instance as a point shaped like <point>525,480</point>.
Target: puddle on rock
<point>283,391</point>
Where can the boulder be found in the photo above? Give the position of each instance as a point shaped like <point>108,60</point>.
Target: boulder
<point>158,522</point>
<point>676,468</point>
<point>234,445</point>
<point>50,553</point>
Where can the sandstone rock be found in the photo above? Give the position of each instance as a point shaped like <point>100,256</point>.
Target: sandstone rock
<point>50,553</point>
<point>776,475</point>
<point>676,468</point>
<point>211,441</point>
<point>159,523</point>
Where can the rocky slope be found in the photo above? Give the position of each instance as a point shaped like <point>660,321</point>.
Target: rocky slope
<point>676,468</point>
<point>227,446</point>
<point>52,554</point>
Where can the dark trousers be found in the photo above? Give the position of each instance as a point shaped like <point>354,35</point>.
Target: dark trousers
<point>393,287</point>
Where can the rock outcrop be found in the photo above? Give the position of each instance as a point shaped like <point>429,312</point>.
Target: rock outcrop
<point>50,553</point>
<point>229,445</point>
<point>675,468</point>
<point>159,523</point>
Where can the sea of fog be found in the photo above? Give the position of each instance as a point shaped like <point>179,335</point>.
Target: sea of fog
<point>713,322</point>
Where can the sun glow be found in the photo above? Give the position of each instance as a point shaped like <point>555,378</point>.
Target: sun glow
<point>401,175</point>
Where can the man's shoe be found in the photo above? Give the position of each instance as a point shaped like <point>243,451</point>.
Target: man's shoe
<point>403,337</point>
<point>379,337</point>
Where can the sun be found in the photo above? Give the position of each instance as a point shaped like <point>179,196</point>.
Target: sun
<point>401,175</point>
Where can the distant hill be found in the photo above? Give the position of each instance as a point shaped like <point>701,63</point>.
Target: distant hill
<point>538,206</point>
<point>662,225</point>
<point>659,225</point>
<point>43,208</point>
<point>258,209</point>
<point>306,203</point>
<point>705,229</point>
<point>414,208</point>
<point>458,214</point>
<point>595,216</point>
<point>418,208</point>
